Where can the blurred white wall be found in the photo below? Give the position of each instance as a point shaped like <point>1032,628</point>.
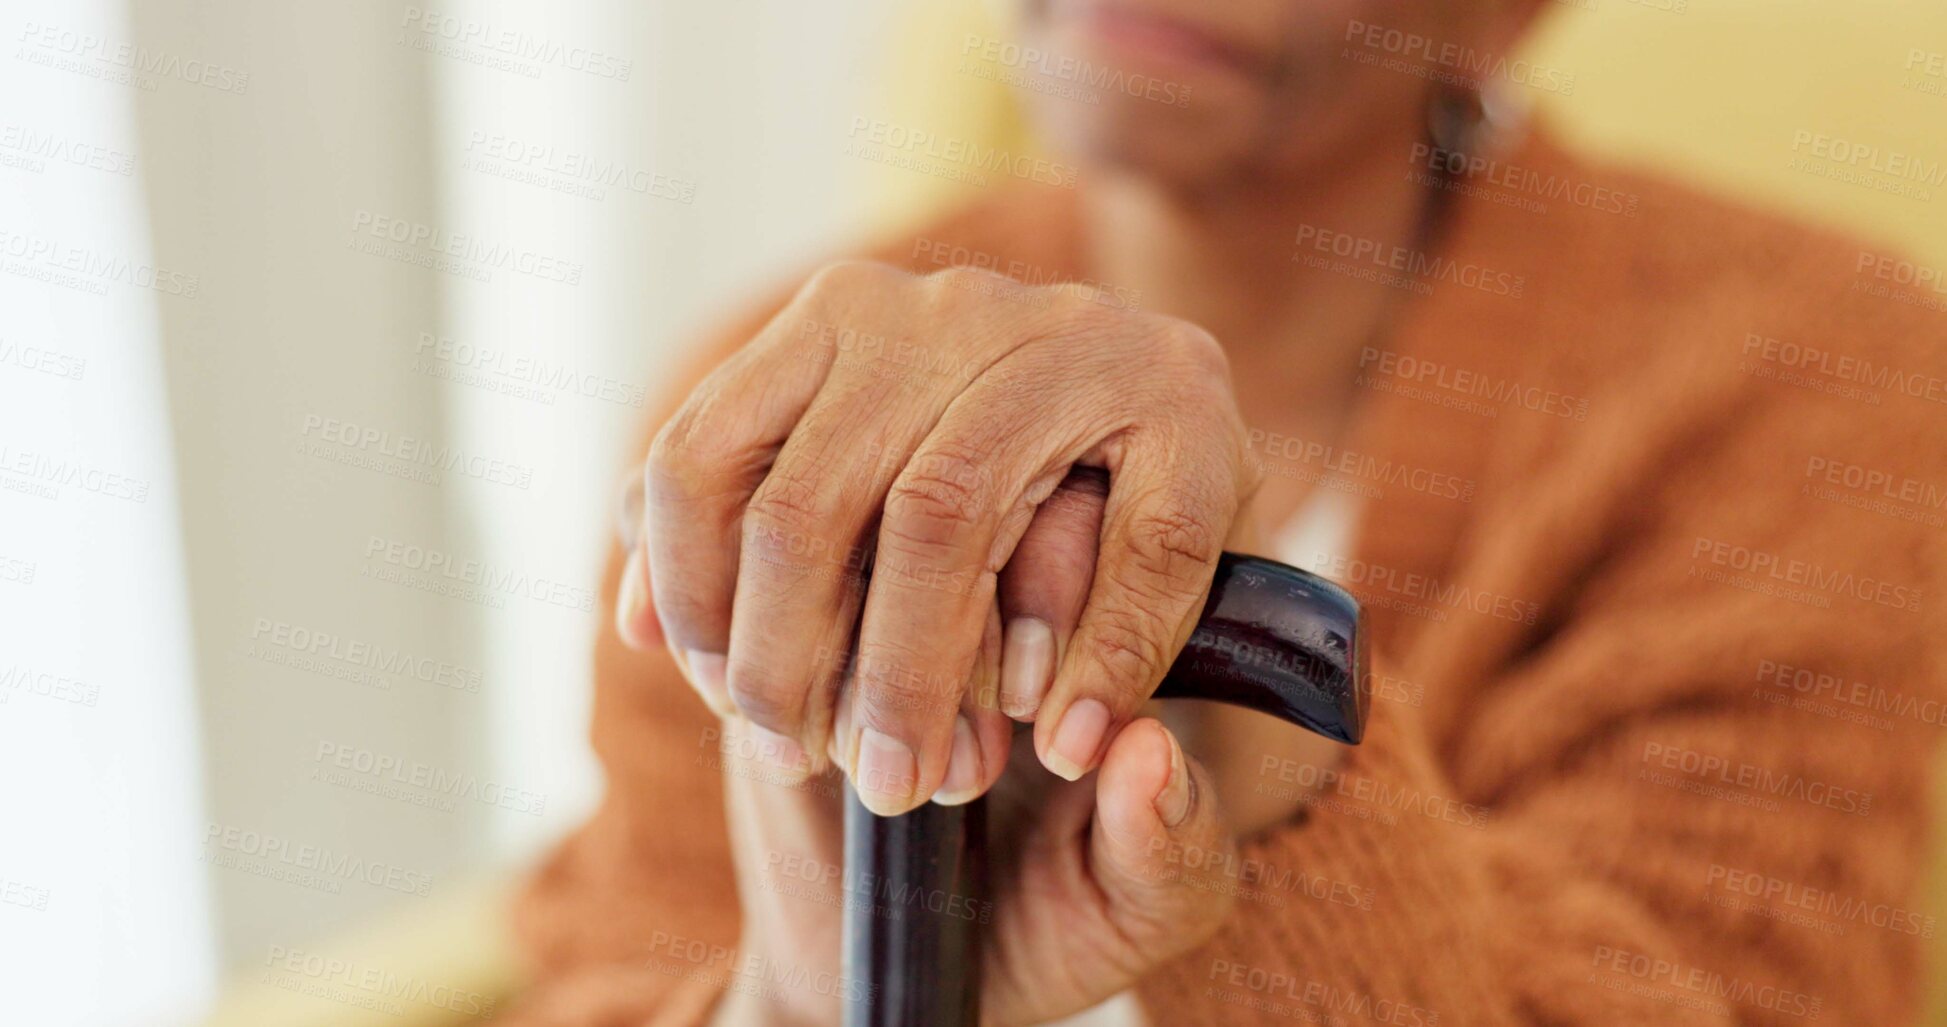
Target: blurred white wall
<point>104,907</point>
<point>662,155</point>
<point>442,258</point>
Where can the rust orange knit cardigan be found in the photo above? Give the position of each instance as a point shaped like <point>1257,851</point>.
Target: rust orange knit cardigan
<point>1659,661</point>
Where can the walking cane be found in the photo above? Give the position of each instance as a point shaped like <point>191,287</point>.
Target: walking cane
<point>1271,638</point>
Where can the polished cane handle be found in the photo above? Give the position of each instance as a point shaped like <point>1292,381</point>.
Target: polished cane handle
<point>1271,638</point>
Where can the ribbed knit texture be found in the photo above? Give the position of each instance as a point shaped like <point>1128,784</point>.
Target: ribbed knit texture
<point>1577,767</point>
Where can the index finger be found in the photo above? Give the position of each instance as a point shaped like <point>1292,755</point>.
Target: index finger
<point>1162,533</point>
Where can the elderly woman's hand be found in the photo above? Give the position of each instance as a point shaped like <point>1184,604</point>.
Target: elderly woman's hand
<point>840,503</point>
<point>1095,882</point>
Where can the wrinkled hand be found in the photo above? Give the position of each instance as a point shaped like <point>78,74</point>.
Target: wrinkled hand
<point>843,500</point>
<point>1094,883</point>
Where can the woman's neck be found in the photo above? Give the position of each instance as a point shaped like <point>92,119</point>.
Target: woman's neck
<point>1259,265</point>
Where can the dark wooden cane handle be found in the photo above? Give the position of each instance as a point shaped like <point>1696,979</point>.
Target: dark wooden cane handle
<point>1271,638</point>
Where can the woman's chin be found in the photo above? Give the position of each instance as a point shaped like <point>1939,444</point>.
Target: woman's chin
<point>1179,151</point>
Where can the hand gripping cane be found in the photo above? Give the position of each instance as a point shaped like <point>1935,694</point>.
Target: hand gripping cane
<point>1271,638</point>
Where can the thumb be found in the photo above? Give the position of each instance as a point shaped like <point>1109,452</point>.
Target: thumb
<point>1160,847</point>
<point>787,832</point>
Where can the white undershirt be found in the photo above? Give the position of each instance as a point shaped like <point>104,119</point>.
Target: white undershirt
<point>1318,534</point>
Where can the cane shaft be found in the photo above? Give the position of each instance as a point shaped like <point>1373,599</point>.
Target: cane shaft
<point>915,899</point>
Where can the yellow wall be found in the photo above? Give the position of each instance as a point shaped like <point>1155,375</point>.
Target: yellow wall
<point>1719,92</point>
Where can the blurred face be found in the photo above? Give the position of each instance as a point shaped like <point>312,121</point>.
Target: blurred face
<point>1198,92</point>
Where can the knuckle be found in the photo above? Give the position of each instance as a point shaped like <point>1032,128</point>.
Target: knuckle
<point>789,495</point>
<point>846,277</point>
<point>958,283</point>
<point>1196,347</point>
<point>937,499</point>
<point>1127,641</point>
<point>679,461</point>
<point>772,700</point>
<point>1173,548</point>
<point>788,519</point>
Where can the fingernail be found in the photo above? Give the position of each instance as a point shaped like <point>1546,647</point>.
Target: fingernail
<point>707,673</point>
<point>886,774</point>
<point>1173,802</point>
<point>962,782</point>
<point>630,600</point>
<point>780,751</point>
<point>1027,662</point>
<point>1077,738</point>
<point>841,729</point>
